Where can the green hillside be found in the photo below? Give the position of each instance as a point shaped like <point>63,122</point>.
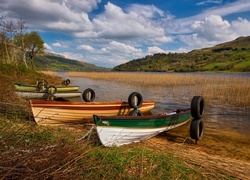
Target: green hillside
<point>53,62</point>
<point>230,56</point>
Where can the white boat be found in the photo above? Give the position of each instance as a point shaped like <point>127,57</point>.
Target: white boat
<point>45,95</point>
<point>121,130</point>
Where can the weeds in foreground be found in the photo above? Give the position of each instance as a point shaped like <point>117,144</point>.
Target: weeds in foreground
<point>32,152</point>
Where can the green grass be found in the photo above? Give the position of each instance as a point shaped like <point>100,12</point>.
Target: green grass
<point>243,66</point>
<point>35,151</point>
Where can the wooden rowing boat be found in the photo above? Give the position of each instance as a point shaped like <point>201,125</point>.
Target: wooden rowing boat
<point>23,87</point>
<point>45,95</point>
<point>57,113</point>
<point>120,130</point>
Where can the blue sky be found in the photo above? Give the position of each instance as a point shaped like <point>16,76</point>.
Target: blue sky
<point>109,33</point>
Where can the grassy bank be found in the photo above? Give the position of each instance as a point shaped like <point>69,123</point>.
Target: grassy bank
<point>34,152</point>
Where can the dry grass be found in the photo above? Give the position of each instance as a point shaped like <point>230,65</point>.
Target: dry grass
<point>51,73</point>
<point>220,89</point>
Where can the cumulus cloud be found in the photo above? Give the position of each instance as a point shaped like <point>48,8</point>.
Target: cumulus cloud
<point>85,47</point>
<point>154,49</point>
<point>57,44</point>
<point>214,30</point>
<point>60,44</point>
<point>46,46</point>
<point>118,47</point>
<point>114,22</point>
<point>241,26</point>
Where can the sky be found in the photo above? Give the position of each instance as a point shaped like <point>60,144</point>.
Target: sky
<point>109,33</point>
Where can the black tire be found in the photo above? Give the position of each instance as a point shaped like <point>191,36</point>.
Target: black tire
<point>67,82</point>
<point>51,97</point>
<point>41,87</point>
<point>64,83</point>
<point>135,100</point>
<point>45,82</point>
<point>135,112</point>
<point>51,90</point>
<point>88,95</point>
<point>196,129</point>
<point>197,107</point>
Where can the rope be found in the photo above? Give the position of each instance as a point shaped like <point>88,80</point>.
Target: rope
<point>88,134</point>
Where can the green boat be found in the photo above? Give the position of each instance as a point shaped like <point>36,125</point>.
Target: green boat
<point>41,88</point>
<point>120,130</point>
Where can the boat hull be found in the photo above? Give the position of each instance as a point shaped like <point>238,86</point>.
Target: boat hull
<point>57,113</point>
<point>117,131</point>
<point>33,88</point>
<point>42,95</point>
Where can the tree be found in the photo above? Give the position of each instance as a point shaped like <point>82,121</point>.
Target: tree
<point>34,45</point>
<point>20,40</point>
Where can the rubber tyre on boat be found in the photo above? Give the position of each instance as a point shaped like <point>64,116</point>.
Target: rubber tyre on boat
<point>135,100</point>
<point>41,87</point>
<point>88,95</point>
<point>135,112</point>
<point>51,97</point>
<point>66,82</point>
<point>51,90</point>
<point>196,129</point>
<point>197,107</point>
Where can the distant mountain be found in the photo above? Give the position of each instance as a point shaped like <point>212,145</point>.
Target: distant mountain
<point>55,62</point>
<point>228,56</point>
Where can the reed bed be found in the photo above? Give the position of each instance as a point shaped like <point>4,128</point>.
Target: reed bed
<point>51,73</point>
<point>216,89</point>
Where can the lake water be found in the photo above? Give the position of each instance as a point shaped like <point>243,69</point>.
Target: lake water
<point>216,116</point>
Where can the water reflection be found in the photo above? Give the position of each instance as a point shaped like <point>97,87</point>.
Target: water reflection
<point>216,116</point>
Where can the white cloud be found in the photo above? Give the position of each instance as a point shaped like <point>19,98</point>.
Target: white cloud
<point>80,5</point>
<point>57,44</point>
<point>154,49</point>
<point>241,27</point>
<point>46,46</point>
<point>194,41</point>
<point>228,9</point>
<point>117,47</point>
<point>85,47</point>
<point>213,28</point>
<point>115,23</point>
<point>74,56</point>
<point>209,2</point>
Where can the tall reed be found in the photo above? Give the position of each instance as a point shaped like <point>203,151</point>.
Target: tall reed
<point>232,90</point>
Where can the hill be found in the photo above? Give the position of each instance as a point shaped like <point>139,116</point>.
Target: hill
<point>230,56</point>
<point>54,62</point>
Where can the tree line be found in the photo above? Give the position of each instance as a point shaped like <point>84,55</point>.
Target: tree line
<point>17,45</point>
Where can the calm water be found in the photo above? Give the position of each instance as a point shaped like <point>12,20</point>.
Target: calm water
<point>216,117</point>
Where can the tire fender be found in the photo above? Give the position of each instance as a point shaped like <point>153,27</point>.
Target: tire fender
<point>197,107</point>
<point>135,112</point>
<point>51,97</point>
<point>41,87</point>
<point>51,90</point>
<point>196,129</point>
<point>88,95</point>
<point>66,82</point>
<point>135,100</point>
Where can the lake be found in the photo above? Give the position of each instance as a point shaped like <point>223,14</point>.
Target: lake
<point>217,116</point>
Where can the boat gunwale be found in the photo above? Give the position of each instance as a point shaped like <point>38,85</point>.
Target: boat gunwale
<point>129,118</point>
